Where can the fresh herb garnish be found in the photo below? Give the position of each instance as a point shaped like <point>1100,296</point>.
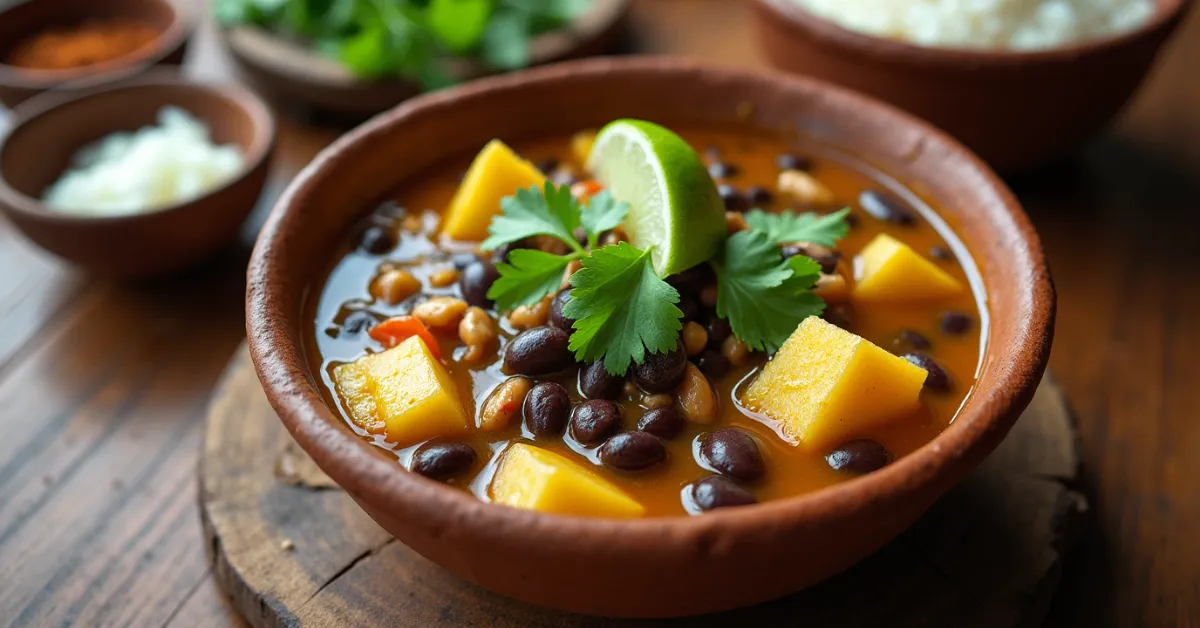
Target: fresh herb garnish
<point>408,38</point>
<point>621,308</point>
<point>529,276</point>
<point>530,212</point>
<point>809,227</point>
<point>764,296</point>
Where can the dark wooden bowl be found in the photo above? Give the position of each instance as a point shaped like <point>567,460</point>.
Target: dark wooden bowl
<point>289,72</point>
<point>1016,109</point>
<point>665,566</point>
<point>47,131</point>
<point>28,18</point>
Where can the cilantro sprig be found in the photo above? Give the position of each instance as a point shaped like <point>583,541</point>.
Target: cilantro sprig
<point>809,227</point>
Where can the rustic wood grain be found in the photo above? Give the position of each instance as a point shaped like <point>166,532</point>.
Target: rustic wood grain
<point>292,551</point>
<point>103,387</point>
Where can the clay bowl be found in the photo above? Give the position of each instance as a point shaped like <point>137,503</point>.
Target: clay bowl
<point>1015,109</point>
<point>47,131</point>
<point>28,18</point>
<point>290,72</point>
<point>655,567</point>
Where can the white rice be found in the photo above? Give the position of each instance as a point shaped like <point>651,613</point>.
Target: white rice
<point>1014,24</point>
<point>155,166</point>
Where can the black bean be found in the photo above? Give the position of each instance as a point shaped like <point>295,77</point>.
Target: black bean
<point>592,421</point>
<point>788,161</point>
<point>859,456</point>
<point>547,165</point>
<point>690,309</point>
<point>913,340</point>
<point>718,330</point>
<point>956,322</point>
<point>732,452</point>
<point>546,409</point>
<point>689,281</point>
<point>665,423</point>
<point>538,351</point>
<point>462,260</point>
<point>581,236</point>
<point>442,460</point>
<point>390,210</point>
<point>886,207</point>
<point>734,201</point>
<point>851,220</point>
<point>661,372</point>
<point>937,380</point>
<point>632,451</point>
<point>475,280</point>
<point>713,364</point>
<point>839,315</point>
<point>721,170</point>
<point>941,253</point>
<point>376,240</point>
<point>359,321</point>
<point>758,195</point>
<point>557,318</point>
<point>717,492</point>
<point>597,383</point>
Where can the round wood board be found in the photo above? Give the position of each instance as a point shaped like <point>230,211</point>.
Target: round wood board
<point>291,549</point>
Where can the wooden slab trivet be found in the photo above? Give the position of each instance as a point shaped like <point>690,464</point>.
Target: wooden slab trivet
<point>291,549</point>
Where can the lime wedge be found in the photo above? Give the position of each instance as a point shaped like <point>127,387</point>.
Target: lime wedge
<point>673,203</point>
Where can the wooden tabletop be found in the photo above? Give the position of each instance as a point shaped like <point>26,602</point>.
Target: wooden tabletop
<point>103,385</point>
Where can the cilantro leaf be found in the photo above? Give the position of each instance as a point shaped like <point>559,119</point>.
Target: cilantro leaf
<point>527,278</point>
<point>533,212</point>
<point>459,24</point>
<point>621,308</point>
<point>505,44</point>
<point>764,296</point>
<point>808,227</point>
<point>603,213</point>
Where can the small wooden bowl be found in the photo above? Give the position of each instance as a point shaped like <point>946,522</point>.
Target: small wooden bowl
<point>289,72</point>
<point>1016,109</point>
<point>47,131</point>
<point>665,566</point>
<point>33,16</point>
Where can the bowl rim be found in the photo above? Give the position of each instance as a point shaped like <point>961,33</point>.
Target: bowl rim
<point>28,112</point>
<point>1167,14</point>
<point>169,40</point>
<point>282,369</point>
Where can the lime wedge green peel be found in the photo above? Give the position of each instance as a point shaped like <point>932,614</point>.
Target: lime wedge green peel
<point>675,210</point>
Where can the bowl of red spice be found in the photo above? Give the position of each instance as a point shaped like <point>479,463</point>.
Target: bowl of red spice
<point>66,44</point>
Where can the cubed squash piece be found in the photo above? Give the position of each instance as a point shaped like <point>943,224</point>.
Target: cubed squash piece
<point>534,478</point>
<point>890,271</point>
<point>581,146</point>
<point>496,172</point>
<point>403,392</point>
<point>826,385</point>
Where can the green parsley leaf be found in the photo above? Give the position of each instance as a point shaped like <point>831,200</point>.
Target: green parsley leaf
<point>459,24</point>
<point>603,213</point>
<point>621,309</point>
<point>763,296</point>
<point>808,227</point>
<point>532,212</point>
<point>528,277</point>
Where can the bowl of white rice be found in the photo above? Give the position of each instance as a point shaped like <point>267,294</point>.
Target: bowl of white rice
<point>140,178</point>
<point>1019,81</point>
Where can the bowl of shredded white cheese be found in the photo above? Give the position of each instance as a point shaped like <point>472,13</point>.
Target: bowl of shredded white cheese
<point>1019,81</point>
<point>139,178</point>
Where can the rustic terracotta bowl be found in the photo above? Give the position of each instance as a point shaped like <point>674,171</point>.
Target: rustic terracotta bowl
<point>654,567</point>
<point>47,131</point>
<point>28,18</point>
<point>292,73</point>
<point>1015,109</point>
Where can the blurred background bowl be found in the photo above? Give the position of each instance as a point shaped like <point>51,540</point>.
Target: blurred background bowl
<point>1014,108</point>
<point>21,21</point>
<point>46,133</point>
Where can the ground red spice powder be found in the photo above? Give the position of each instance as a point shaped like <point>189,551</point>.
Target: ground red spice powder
<point>80,46</point>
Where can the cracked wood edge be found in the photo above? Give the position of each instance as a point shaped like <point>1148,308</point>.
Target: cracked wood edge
<point>290,549</point>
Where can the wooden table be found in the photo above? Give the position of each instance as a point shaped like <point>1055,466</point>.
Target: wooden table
<point>103,385</point>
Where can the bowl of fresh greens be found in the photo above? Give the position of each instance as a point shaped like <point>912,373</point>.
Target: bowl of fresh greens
<point>361,57</point>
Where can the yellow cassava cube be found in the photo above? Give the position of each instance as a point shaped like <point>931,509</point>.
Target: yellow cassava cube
<point>826,385</point>
<point>403,392</point>
<point>890,271</point>
<point>537,479</point>
<point>496,172</point>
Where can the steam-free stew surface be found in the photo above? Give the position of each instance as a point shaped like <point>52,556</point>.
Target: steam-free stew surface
<point>338,335</point>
